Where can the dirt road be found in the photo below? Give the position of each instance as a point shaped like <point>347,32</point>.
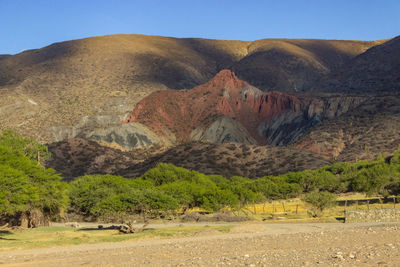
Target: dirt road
<point>312,244</point>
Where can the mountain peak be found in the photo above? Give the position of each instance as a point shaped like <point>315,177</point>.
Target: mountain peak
<point>226,74</point>
<point>177,114</point>
<point>226,79</point>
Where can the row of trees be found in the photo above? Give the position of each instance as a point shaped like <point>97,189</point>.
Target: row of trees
<point>25,185</point>
<point>184,189</point>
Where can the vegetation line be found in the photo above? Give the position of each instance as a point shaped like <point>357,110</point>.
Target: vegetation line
<point>30,195</point>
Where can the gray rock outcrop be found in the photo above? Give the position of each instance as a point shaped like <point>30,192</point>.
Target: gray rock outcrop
<point>223,130</point>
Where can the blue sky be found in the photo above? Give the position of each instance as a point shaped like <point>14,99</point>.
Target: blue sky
<point>27,24</point>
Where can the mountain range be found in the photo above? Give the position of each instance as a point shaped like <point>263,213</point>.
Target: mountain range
<point>299,103</point>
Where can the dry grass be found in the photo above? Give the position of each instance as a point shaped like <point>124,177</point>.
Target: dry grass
<point>279,206</point>
<point>63,236</point>
<point>295,209</point>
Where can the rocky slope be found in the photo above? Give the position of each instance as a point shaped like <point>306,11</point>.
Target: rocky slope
<point>229,109</point>
<point>50,93</point>
<point>364,133</point>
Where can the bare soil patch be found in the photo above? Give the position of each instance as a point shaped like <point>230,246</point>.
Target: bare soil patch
<point>256,244</point>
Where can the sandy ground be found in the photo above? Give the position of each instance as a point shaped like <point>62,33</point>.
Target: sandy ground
<point>255,244</point>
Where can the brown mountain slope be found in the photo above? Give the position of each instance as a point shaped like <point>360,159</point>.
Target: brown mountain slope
<point>76,157</point>
<point>230,159</point>
<point>376,71</point>
<point>4,56</point>
<point>50,93</point>
<point>294,65</point>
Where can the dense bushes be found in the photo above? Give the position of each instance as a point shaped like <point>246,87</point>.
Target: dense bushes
<point>191,188</point>
<point>164,188</point>
<point>114,196</point>
<point>371,177</point>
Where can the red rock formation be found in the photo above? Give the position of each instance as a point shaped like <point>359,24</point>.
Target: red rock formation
<point>182,111</point>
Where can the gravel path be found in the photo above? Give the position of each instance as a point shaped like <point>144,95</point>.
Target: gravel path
<point>312,244</point>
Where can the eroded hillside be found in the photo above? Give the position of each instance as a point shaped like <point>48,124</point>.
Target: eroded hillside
<point>227,109</point>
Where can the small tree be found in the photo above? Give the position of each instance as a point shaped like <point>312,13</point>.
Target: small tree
<point>319,200</point>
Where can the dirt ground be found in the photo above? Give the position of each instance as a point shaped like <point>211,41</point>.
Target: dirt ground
<point>247,244</point>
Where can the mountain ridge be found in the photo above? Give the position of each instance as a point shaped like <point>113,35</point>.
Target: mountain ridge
<point>86,87</point>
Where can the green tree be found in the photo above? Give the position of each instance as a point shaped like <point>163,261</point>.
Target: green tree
<point>268,188</point>
<point>319,200</point>
<point>15,190</point>
<point>242,188</point>
<point>86,192</point>
<point>28,146</point>
<point>27,186</point>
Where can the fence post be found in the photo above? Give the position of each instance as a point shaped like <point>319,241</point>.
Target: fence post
<point>394,202</point>
<point>368,204</point>
<point>297,208</point>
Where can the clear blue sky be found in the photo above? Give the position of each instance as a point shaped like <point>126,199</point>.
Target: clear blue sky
<point>27,24</point>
